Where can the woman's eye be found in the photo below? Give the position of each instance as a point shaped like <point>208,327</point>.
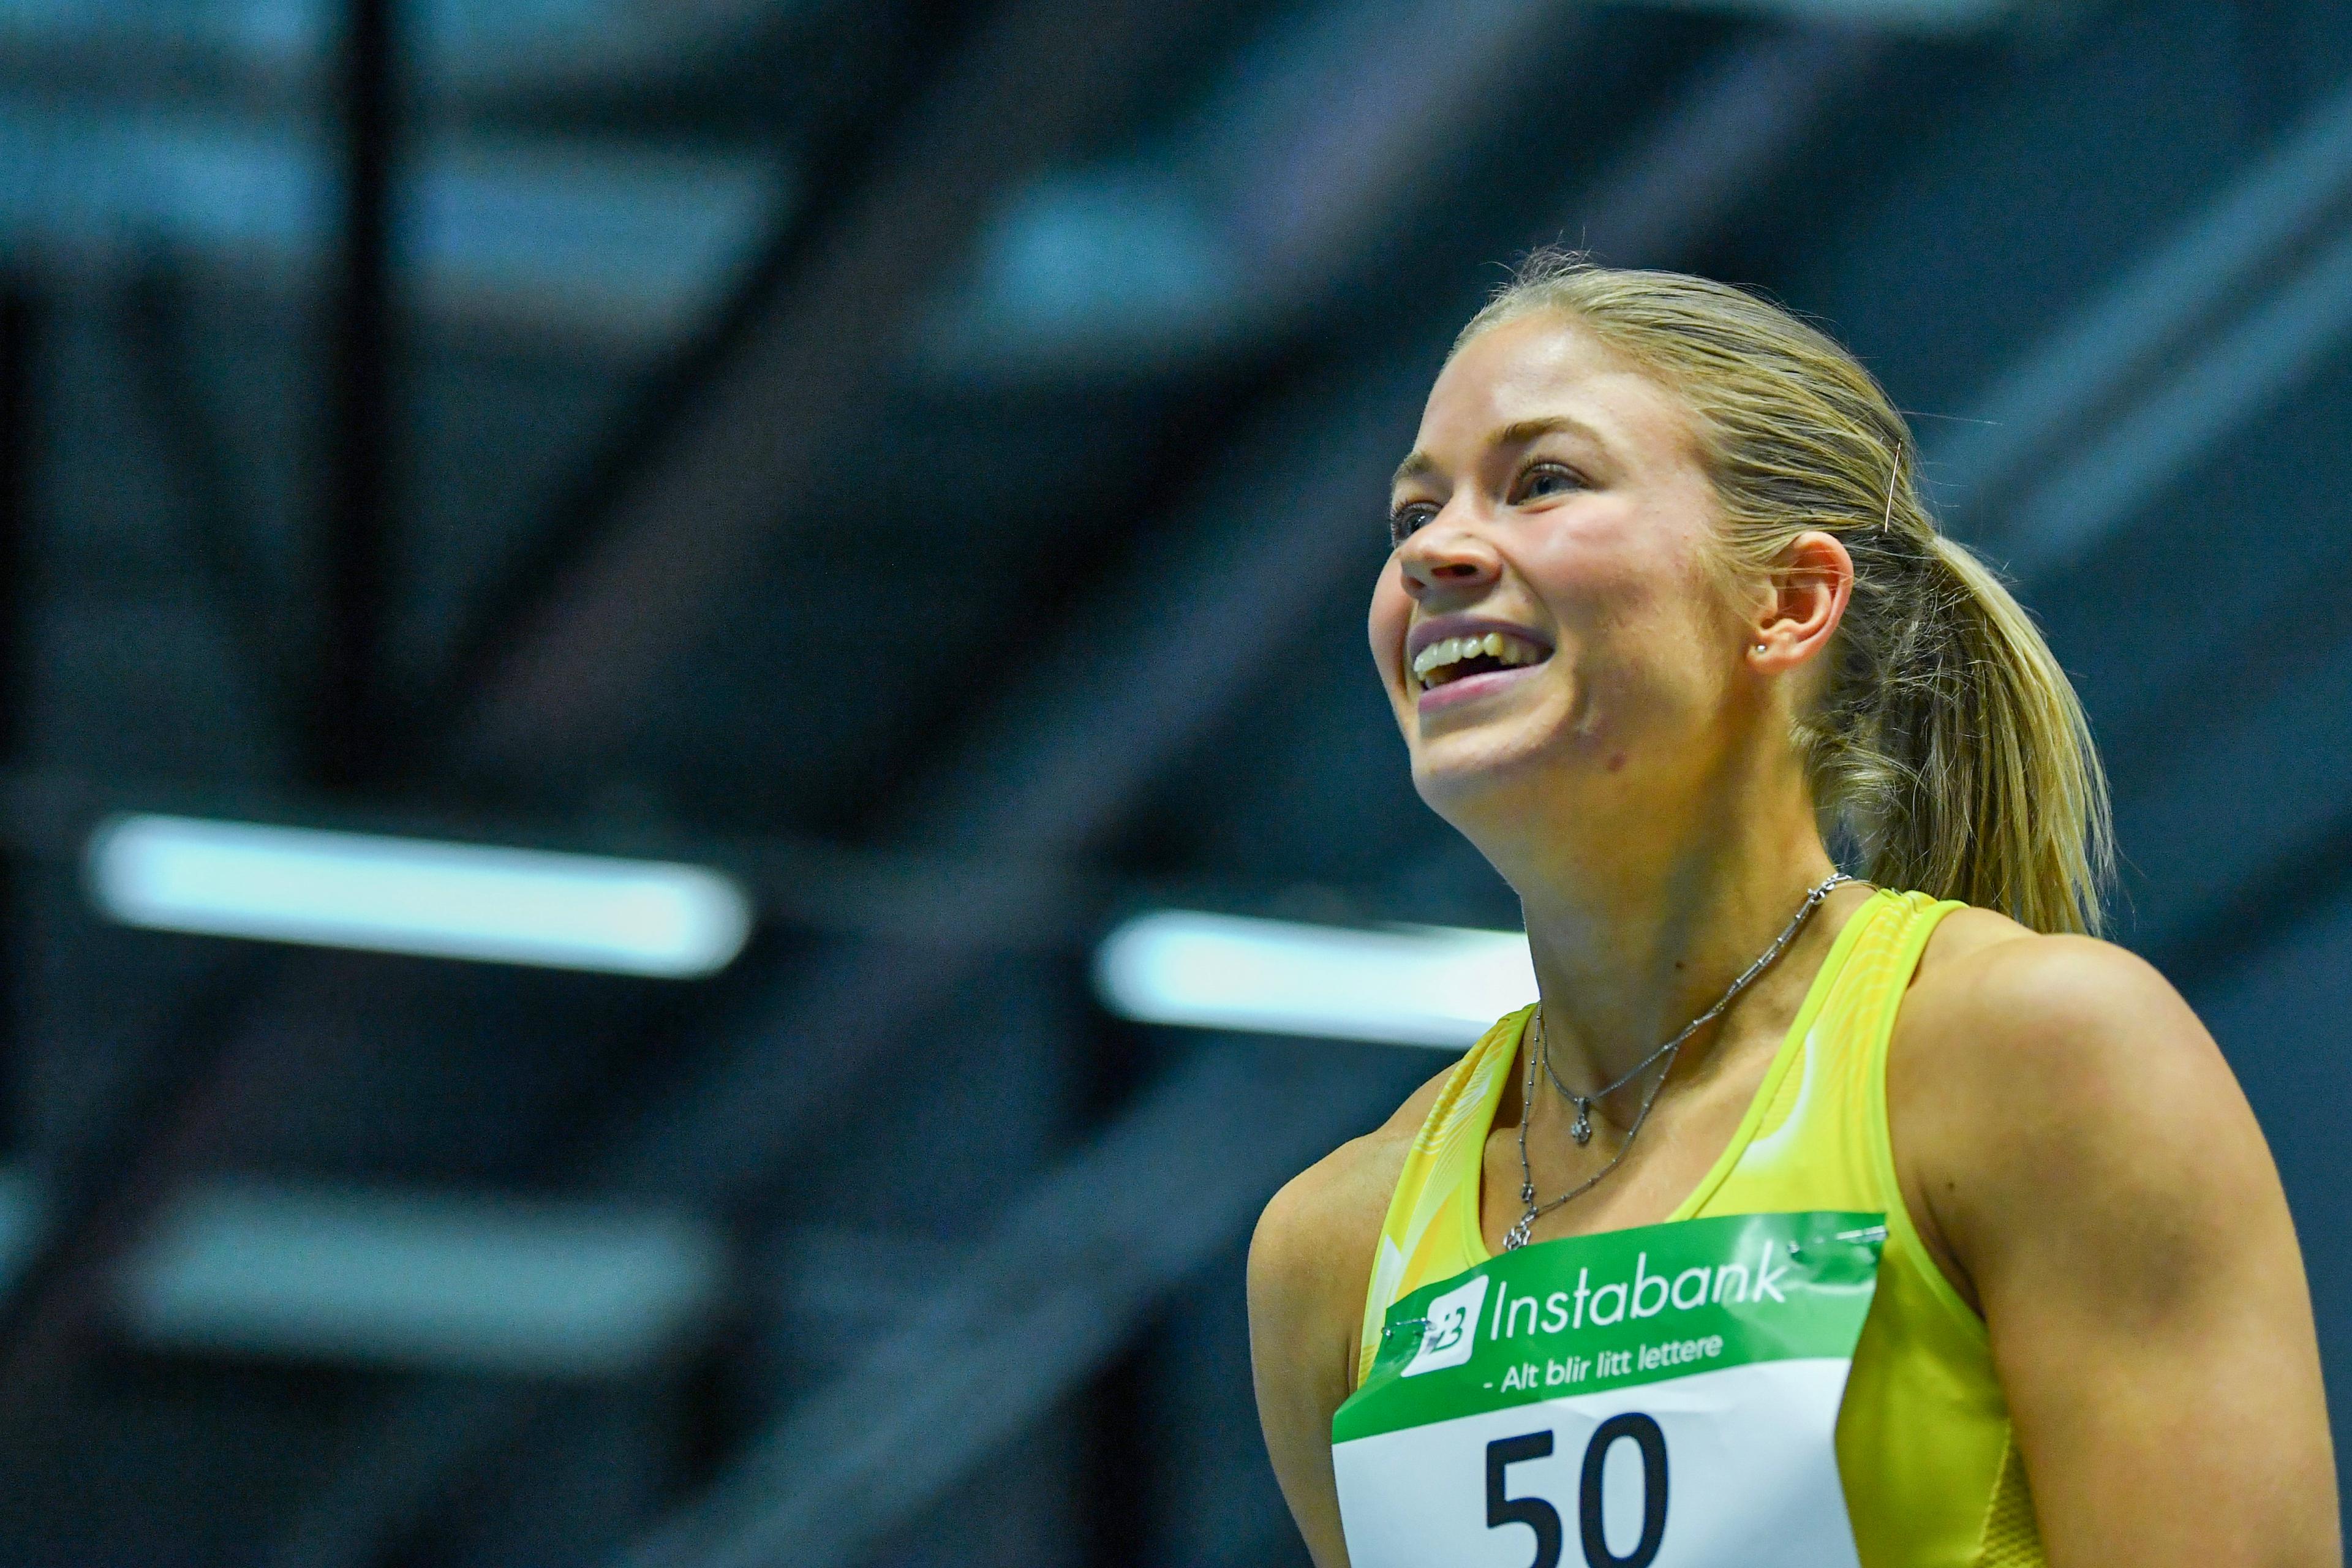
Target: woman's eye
<point>1548,479</point>
<point>1405,521</point>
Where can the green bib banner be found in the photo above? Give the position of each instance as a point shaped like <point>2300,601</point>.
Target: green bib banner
<point>1662,1397</point>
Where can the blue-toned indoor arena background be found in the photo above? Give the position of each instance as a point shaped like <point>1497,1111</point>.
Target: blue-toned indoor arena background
<point>925,462</point>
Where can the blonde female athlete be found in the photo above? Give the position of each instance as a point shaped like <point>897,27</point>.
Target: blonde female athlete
<point>1945,1237</point>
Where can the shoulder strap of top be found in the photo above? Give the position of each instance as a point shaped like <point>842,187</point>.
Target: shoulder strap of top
<point>1874,1038</point>
<point>1879,974</point>
<point>1811,1139</point>
<point>1437,1191</point>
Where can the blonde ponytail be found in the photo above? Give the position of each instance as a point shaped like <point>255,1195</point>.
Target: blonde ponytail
<point>1945,744</point>
<point>1963,765</point>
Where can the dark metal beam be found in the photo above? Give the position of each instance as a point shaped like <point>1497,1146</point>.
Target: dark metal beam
<point>556,673</point>
<point>359,512</point>
<point>106,1191</point>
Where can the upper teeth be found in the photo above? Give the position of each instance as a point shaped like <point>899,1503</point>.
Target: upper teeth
<point>1501,646</point>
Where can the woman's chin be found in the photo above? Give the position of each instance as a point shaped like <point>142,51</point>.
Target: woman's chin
<point>1457,780</point>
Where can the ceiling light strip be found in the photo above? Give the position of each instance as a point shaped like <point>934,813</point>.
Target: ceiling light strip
<point>1439,987</point>
<point>415,896</point>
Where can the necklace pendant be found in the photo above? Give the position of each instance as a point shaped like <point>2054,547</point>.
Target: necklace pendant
<point>1582,1128</point>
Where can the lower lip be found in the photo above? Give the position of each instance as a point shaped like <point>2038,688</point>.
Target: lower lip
<point>1470,688</point>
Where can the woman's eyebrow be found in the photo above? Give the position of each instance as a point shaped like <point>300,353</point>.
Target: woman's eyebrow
<point>1519,434</point>
<point>1528,430</point>
<point>1412,468</point>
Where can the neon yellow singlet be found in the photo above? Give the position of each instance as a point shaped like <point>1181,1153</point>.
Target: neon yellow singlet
<point>1931,1476</point>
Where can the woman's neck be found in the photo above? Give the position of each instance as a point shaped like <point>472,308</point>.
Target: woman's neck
<point>1637,931</point>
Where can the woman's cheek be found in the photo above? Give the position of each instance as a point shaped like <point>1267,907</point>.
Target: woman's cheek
<point>1385,625</point>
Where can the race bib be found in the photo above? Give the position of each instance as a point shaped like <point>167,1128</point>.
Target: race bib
<point>1665,1397</point>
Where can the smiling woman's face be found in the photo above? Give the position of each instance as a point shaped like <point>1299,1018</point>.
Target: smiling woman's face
<point>1551,609</point>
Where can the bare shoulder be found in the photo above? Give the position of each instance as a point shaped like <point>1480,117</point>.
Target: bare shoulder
<point>1331,1211</point>
<point>2041,1085</point>
<point>1311,1258</point>
<point>1997,1007</point>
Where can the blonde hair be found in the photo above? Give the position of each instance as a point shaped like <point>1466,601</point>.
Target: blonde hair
<point>1945,744</point>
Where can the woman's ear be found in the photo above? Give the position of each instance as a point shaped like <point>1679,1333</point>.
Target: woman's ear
<point>1809,584</point>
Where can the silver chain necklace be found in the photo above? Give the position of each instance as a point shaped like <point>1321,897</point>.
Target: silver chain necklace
<point>1581,1130</point>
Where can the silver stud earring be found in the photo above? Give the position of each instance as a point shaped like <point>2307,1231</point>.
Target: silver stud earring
<point>1763,646</point>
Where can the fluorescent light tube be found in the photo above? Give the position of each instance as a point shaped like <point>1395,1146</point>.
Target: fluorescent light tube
<point>414,896</point>
<point>1405,986</point>
<point>423,1282</point>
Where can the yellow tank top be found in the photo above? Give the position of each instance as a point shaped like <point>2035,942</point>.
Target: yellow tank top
<point>1932,1477</point>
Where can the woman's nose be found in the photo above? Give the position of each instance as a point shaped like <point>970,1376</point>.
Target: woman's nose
<point>1444,555</point>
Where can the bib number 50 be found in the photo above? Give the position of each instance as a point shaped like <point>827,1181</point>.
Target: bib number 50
<point>1544,1519</point>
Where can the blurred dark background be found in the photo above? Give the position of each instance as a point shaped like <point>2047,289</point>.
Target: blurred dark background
<point>927,461</point>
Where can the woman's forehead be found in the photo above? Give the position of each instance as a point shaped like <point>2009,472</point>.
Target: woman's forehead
<point>1544,367</point>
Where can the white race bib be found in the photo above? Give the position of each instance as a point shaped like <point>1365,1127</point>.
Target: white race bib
<point>1665,1397</point>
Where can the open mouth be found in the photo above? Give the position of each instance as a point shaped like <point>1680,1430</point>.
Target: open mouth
<point>1456,659</point>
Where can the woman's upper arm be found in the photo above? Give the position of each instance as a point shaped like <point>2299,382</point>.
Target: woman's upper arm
<point>1308,1266</point>
<point>2090,1162</point>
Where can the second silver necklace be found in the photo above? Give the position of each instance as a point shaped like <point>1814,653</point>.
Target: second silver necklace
<point>1581,1130</point>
